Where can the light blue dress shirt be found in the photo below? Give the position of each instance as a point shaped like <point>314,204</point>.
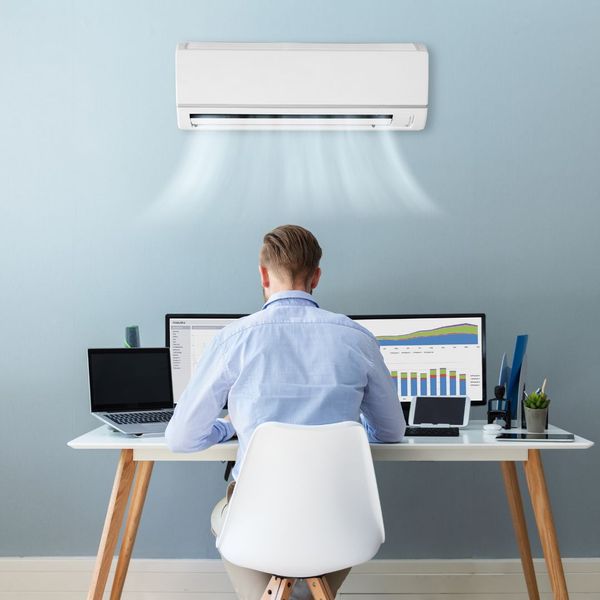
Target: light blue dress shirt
<point>291,362</point>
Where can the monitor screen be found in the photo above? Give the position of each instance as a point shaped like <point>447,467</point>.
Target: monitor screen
<point>129,379</point>
<point>432,355</point>
<point>187,336</point>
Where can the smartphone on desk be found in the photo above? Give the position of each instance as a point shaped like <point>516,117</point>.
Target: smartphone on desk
<point>536,437</point>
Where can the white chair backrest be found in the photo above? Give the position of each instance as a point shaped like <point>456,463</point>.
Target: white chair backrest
<point>305,502</point>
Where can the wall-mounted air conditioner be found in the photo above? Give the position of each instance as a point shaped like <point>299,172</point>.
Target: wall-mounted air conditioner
<point>301,86</point>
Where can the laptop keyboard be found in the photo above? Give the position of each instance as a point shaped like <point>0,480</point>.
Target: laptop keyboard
<point>431,432</point>
<point>163,416</point>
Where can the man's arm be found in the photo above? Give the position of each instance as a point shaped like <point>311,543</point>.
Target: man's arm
<point>382,414</point>
<point>195,424</point>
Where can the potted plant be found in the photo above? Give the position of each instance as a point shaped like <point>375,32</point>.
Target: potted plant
<point>536,411</point>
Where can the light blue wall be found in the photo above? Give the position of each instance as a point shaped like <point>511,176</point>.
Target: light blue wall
<point>99,228</point>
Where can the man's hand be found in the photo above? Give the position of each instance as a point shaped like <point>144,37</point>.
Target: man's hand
<point>227,419</point>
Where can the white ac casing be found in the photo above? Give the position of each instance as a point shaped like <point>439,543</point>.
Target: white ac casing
<point>301,86</point>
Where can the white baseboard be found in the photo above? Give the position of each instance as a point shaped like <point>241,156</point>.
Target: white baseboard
<point>158,579</point>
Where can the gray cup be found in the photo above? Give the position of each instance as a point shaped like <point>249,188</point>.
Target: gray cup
<point>132,337</point>
<point>536,419</point>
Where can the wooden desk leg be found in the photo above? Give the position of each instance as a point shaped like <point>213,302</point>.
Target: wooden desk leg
<point>513,494</point>
<point>112,523</point>
<point>540,501</point>
<point>138,497</point>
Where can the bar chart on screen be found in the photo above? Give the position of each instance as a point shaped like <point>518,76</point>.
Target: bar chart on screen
<point>451,383</point>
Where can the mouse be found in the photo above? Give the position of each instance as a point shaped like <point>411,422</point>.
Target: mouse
<point>492,428</point>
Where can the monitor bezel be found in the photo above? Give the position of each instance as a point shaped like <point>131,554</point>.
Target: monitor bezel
<point>481,402</point>
<point>129,351</point>
<point>170,316</point>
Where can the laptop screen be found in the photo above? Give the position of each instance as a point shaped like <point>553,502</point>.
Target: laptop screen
<point>129,379</point>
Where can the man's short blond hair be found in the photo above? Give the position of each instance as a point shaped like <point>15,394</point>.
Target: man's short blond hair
<point>291,252</point>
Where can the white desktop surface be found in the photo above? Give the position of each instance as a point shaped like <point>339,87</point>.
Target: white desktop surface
<point>471,445</point>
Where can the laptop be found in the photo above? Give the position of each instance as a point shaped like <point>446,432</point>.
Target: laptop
<point>131,388</point>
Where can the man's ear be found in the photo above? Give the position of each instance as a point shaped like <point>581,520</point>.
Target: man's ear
<point>314,282</point>
<point>264,276</point>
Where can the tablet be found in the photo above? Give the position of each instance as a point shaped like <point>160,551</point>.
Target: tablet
<point>536,437</point>
<point>439,411</point>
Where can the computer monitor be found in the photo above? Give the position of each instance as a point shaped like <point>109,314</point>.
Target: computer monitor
<point>432,355</point>
<point>187,335</point>
<point>427,355</point>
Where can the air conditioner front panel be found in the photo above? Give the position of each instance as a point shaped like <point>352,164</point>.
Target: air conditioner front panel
<point>319,76</point>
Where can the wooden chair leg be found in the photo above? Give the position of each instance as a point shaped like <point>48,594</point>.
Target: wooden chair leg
<point>540,501</point>
<point>286,588</point>
<point>319,588</point>
<point>138,497</point>
<point>112,524</point>
<point>279,588</point>
<point>515,504</point>
<point>272,590</point>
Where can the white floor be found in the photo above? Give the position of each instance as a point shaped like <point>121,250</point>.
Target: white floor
<point>68,579</point>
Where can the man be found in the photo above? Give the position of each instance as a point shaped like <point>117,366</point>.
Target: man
<point>291,362</point>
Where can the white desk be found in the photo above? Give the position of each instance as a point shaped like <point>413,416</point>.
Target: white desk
<point>139,454</point>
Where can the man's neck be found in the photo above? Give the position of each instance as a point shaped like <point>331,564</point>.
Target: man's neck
<point>283,288</point>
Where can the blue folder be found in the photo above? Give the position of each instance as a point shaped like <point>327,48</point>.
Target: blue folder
<point>512,392</point>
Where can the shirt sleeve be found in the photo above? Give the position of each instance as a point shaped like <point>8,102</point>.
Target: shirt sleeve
<point>382,414</point>
<point>195,424</point>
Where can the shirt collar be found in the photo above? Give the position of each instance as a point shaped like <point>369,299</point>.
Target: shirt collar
<point>303,297</point>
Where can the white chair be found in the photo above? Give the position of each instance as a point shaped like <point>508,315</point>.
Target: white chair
<point>305,503</point>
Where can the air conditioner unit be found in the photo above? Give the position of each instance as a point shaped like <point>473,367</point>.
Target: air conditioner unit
<point>302,86</point>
